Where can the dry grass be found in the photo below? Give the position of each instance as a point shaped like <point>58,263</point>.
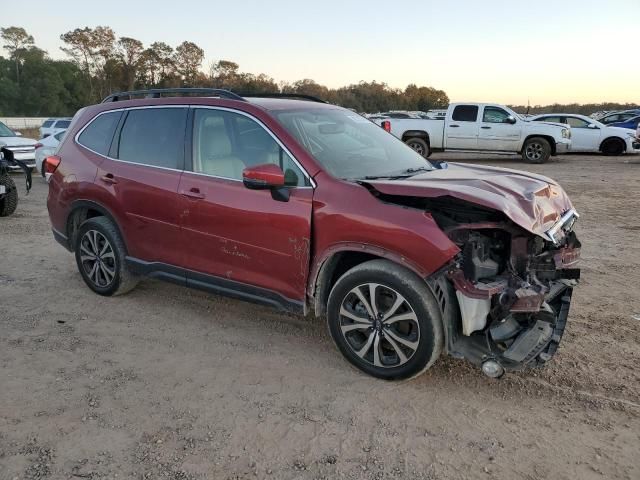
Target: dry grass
<point>30,133</point>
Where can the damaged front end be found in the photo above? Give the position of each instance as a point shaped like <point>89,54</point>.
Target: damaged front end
<point>506,295</point>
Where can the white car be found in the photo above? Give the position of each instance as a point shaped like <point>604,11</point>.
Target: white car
<point>47,146</point>
<point>589,135</point>
<point>22,148</point>
<point>54,125</point>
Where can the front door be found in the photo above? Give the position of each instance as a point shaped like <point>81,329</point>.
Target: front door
<point>583,138</point>
<point>241,238</point>
<point>461,130</point>
<point>497,133</point>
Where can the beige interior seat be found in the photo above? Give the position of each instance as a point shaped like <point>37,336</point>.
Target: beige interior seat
<point>214,154</point>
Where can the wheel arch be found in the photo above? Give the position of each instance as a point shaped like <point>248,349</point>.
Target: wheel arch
<point>614,138</point>
<point>548,138</point>
<point>416,134</point>
<point>82,210</point>
<point>338,260</point>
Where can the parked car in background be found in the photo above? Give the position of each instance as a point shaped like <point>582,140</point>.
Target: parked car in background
<point>482,127</point>
<point>589,135</point>
<point>47,146</point>
<point>631,123</point>
<point>54,125</point>
<point>616,117</point>
<point>317,208</point>
<point>22,148</point>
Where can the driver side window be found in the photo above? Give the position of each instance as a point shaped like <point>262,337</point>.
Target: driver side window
<point>495,115</point>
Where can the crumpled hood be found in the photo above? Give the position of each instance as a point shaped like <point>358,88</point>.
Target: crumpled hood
<point>532,201</point>
<point>11,142</point>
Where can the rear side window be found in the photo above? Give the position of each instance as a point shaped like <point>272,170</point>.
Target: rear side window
<point>550,119</point>
<point>98,135</point>
<point>154,136</point>
<point>465,113</point>
<point>63,123</point>
<point>47,124</point>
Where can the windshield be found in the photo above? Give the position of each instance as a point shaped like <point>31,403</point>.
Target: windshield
<point>349,146</point>
<point>6,131</point>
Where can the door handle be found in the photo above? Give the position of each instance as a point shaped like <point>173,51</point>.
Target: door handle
<point>485,128</point>
<point>109,179</point>
<point>192,193</point>
<point>454,126</point>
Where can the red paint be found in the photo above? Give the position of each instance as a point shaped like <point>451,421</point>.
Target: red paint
<point>264,175</point>
<point>220,227</point>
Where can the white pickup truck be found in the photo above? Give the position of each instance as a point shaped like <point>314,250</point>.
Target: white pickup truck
<point>482,127</point>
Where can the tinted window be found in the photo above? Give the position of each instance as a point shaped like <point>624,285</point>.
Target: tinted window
<point>60,135</point>
<point>154,136</point>
<point>63,123</point>
<point>98,135</point>
<point>549,119</point>
<point>577,122</point>
<point>47,124</point>
<point>495,115</point>
<point>465,113</point>
<point>225,143</point>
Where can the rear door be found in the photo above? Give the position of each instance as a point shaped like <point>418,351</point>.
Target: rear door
<point>461,129</point>
<point>240,239</point>
<point>142,172</point>
<point>496,133</point>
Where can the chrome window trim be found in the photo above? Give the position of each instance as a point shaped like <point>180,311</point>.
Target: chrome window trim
<point>210,107</point>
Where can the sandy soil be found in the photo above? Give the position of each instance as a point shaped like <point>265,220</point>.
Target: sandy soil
<point>171,383</point>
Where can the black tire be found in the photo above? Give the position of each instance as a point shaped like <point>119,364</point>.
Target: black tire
<point>9,202</point>
<point>419,145</point>
<point>536,150</point>
<point>612,147</point>
<point>103,231</point>
<point>394,283</point>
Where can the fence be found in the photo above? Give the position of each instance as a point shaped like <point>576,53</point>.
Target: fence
<point>17,123</point>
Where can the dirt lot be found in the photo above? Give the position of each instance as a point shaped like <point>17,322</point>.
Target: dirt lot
<point>171,383</point>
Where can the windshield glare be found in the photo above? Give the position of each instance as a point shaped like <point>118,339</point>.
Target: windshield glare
<point>348,145</point>
<point>6,131</point>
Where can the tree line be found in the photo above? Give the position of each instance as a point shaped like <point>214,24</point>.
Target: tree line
<point>99,63</point>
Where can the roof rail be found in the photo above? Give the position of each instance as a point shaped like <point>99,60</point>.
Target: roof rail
<point>284,95</point>
<point>181,92</point>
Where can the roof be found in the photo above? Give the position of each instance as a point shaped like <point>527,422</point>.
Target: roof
<point>287,103</point>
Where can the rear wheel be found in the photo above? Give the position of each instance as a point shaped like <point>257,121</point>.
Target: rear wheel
<point>100,255</point>
<point>536,150</point>
<point>419,145</point>
<point>9,201</point>
<point>612,146</point>
<point>385,320</point>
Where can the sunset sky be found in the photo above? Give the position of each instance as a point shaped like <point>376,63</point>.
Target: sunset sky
<point>500,51</point>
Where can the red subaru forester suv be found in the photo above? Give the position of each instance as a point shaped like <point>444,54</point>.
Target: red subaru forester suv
<point>303,205</point>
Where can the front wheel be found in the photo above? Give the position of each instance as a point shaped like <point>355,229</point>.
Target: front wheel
<point>613,147</point>
<point>385,320</point>
<point>419,145</point>
<point>536,150</point>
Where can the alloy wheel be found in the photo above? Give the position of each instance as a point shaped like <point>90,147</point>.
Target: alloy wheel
<point>535,151</point>
<point>97,258</point>
<point>379,325</point>
<point>417,147</point>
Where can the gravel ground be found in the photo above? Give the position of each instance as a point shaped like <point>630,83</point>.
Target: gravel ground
<point>167,382</point>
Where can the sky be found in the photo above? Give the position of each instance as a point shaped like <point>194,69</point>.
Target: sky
<point>541,51</point>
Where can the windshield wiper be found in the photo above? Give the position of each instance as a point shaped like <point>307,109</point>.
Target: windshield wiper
<point>409,172</point>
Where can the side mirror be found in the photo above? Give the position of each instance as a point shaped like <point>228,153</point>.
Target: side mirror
<point>592,126</point>
<point>263,177</point>
<point>511,119</point>
<point>17,134</point>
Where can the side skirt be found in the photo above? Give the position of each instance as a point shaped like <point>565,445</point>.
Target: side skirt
<point>214,284</point>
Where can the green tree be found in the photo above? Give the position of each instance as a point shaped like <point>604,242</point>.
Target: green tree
<point>188,58</point>
<point>17,40</point>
